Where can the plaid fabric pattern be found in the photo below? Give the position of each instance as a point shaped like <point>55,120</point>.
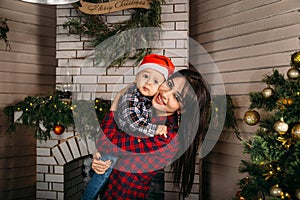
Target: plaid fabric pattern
<point>139,158</point>
<point>134,113</point>
<point>127,186</point>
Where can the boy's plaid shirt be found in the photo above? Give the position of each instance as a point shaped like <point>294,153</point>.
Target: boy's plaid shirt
<point>138,158</point>
<point>134,113</point>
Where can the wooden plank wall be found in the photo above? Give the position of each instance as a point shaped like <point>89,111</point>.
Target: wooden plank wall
<point>246,39</point>
<point>27,69</point>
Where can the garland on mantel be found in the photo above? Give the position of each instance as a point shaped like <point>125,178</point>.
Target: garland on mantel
<point>97,28</point>
<point>44,113</point>
<point>4,29</point>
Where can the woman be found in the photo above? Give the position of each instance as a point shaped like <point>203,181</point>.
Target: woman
<point>184,95</point>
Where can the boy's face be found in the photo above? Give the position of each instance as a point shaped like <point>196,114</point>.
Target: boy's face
<point>148,81</point>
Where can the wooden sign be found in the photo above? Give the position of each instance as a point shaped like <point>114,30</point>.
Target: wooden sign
<point>112,6</point>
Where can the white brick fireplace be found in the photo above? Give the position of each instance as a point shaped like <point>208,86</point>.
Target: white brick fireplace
<point>59,166</point>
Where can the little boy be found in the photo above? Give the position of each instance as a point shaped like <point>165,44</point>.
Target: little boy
<point>134,111</point>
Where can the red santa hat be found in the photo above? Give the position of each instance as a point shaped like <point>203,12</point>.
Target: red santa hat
<point>159,63</point>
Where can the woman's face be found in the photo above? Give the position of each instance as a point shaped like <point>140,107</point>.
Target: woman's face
<point>169,97</point>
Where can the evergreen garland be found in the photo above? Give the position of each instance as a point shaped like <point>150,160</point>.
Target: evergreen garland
<point>4,29</point>
<point>99,30</point>
<point>43,113</point>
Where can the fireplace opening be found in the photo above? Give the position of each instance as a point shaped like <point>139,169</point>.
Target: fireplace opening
<point>74,179</point>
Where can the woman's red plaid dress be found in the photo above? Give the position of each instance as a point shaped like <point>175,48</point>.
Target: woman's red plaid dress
<point>138,158</point>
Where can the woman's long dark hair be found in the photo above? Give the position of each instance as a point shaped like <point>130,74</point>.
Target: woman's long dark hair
<point>196,106</point>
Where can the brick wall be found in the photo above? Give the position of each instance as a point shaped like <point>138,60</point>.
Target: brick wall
<point>82,76</point>
<point>86,81</point>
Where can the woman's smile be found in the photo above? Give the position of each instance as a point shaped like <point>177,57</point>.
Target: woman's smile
<point>166,99</point>
<point>159,100</point>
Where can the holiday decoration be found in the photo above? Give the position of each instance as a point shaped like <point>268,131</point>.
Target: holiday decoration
<point>293,73</point>
<point>52,113</point>
<point>238,196</point>
<point>114,6</point>
<point>96,27</point>
<point>276,191</point>
<point>295,59</point>
<point>267,92</point>
<point>297,193</point>
<point>281,127</point>
<point>4,29</point>
<point>58,129</point>
<point>251,117</point>
<point>290,101</point>
<point>274,165</point>
<point>296,131</point>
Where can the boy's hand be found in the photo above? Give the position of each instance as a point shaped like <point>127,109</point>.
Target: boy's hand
<point>161,130</point>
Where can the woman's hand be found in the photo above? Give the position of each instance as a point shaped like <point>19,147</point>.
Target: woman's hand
<point>98,165</point>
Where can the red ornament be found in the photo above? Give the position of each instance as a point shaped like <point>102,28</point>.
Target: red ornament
<point>58,129</point>
<point>238,196</point>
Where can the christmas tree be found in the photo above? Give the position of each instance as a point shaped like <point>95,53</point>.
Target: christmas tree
<point>273,168</point>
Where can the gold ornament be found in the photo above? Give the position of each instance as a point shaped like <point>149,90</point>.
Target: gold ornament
<point>290,101</point>
<point>251,117</point>
<point>281,127</point>
<point>295,58</point>
<point>276,191</point>
<point>297,193</point>
<point>285,142</point>
<point>296,131</point>
<point>282,108</point>
<point>286,196</point>
<point>293,73</point>
<point>281,103</point>
<point>267,92</point>
<point>284,101</point>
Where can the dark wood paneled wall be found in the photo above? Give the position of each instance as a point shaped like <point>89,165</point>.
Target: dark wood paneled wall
<point>27,69</point>
<point>246,39</point>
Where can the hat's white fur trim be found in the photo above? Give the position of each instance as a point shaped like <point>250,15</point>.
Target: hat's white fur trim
<point>156,67</point>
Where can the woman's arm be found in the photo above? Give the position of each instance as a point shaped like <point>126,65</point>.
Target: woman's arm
<point>136,154</point>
